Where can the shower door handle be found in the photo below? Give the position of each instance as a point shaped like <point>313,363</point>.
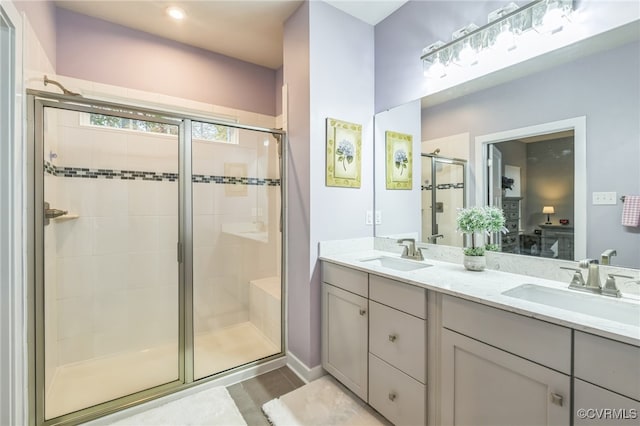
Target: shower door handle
<point>50,213</point>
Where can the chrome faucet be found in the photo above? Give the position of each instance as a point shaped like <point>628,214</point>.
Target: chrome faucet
<point>410,250</point>
<point>605,257</point>
<point>610,288</point>
<point>593,280</point>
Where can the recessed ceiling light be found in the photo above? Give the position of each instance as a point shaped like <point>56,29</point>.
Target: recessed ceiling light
<point>176,13</point>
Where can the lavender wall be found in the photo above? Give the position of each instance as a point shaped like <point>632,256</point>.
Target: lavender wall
<point>606,89</point>
<point>42,17</point>
<point>328,68</point>
<point>296,76</point>
<point>400,38</point>
<point>342,87</point>
<point>96,50</point>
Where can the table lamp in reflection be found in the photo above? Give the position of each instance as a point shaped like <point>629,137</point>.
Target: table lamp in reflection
<point>548,210</point>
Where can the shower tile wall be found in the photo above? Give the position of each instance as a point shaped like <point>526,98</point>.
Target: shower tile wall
<point>116,268</point>
<point>111,277</point>
<point>236,231</point>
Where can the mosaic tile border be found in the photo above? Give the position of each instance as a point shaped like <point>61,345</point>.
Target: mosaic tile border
<point>86,173</point>
<point>444,186</point>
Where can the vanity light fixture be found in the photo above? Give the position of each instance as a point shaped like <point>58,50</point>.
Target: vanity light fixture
<point>500,34</point>
<point>176,13</point>
<point>548,210</point>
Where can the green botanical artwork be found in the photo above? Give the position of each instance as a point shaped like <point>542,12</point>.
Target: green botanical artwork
<point>344,155</point>
<point>399,156</point>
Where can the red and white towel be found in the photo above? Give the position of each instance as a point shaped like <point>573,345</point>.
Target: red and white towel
<point>631,211</point>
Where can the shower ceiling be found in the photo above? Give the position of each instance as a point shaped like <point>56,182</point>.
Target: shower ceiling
<point>249,30</point>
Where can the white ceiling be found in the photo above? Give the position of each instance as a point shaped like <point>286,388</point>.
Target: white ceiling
<point>249,30</point>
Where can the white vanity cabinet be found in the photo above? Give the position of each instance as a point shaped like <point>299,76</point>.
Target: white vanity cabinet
<point>398,350</point>
<point>500,368</point>
<point>607,381</point>
<point>345,327</point>
<point>374,341</point>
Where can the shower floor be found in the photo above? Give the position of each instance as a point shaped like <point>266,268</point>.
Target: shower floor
<point>87,383</point>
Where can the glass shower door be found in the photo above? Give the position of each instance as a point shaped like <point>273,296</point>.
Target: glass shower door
<point>236,247</point>
<point>109,291</point>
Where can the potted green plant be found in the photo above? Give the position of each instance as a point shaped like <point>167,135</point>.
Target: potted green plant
<point>477,222</point>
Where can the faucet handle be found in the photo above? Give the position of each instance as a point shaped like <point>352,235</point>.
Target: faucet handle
<point>610,288</point>
<point>577,281</point>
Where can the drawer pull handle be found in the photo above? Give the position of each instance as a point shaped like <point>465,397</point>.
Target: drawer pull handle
<point>363,312</point>
<point>392,337</point>
<point>392,396</point>
<point>557,399</point>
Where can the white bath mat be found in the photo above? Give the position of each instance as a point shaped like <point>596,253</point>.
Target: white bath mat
<point>211,407</point>
<point>319,403</point>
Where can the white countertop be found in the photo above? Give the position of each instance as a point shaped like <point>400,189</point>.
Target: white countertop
<point>486,287</point>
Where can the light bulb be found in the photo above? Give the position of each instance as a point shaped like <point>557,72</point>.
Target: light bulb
<point>468,56</point>
<point>506,40</point>
<point>436,70</point>
<point>553,20</point>
<point>176,13</point>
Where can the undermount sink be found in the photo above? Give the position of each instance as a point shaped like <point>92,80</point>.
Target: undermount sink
<point>395,263</point>
<point>617,310</point>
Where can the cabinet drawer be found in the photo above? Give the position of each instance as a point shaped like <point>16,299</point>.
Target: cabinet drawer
<point>607,363</point>
<point>588,396</point>
<point>522,336</point>
<point>399,339</point>
<point>406,297</point>
<point>346,278</point>
<point>398,397</point>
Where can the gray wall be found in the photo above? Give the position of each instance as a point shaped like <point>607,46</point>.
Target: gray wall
<point>514,153</point>
<point>606,89</point>
<point>96,50</point>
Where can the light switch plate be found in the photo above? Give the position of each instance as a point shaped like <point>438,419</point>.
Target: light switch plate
<point>605,198</point>
<point>378,217</point>
<point>369,218</point>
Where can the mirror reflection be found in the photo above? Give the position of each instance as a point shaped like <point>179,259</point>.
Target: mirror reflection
<point>549,204</point>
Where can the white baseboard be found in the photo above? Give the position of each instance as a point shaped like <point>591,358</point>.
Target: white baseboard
<point>305,373</point>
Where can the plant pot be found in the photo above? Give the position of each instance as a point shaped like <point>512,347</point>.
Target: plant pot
<point>475,263</point>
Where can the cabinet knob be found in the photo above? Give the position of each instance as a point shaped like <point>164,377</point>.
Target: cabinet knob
<point>363,311</point>
<point>392,396</point>
<point>392,337</point>
<point>557,399</point>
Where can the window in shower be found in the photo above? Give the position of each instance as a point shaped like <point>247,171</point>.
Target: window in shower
<point>200,131</point>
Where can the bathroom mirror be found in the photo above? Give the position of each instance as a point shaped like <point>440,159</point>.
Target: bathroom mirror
<point>601,88</point>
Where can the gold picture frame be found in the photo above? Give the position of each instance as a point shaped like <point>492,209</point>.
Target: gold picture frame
<point>344,154</point>
<point>399,160</point>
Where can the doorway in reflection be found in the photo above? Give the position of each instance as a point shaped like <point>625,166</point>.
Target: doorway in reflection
<point>443,191</point>
<point>528,178</point>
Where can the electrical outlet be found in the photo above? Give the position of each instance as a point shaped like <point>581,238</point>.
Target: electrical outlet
<point>378,217</point>
<point>604,198</point>
<point>369,218</point>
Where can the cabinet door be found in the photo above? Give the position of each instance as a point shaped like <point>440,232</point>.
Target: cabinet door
<point>482,385</point>
<point>597,406</point>
<point>345,338</point>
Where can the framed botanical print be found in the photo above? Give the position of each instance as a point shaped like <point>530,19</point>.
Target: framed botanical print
<point>399,160</point>
<point>344,153</point>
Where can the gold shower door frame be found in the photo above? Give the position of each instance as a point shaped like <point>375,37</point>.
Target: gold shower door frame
<point>37,102</point>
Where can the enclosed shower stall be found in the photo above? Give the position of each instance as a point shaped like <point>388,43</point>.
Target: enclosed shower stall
<point>157,253</point>
<point>443,193</point>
